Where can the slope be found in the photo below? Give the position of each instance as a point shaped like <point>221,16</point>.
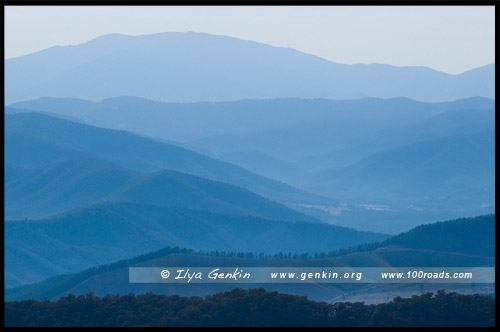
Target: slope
<point>104,233</point>
<point>77,183</point>
<point>34,140</point>
<point>455,171</point>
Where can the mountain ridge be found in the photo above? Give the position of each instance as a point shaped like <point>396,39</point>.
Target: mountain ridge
<point>69,184</point>
<point>174,60</point>
<point>35,140</point>
<point>106,232</point>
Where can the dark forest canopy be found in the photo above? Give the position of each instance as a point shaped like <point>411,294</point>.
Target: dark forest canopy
<point>255,307</point>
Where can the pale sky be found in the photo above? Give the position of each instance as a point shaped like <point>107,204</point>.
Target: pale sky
<point>452,39</point>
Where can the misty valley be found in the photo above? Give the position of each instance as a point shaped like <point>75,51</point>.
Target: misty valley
<point>198,150</point>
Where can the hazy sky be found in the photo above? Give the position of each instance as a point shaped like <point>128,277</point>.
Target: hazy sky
<point>449,38</point>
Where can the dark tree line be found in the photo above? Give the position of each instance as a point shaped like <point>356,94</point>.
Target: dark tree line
<point>255,307</point>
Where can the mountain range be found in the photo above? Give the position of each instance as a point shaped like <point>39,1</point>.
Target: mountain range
<point>289,130</point>
<point>35,140</point>
<point>189,66</point>
<point>121,150</point>
<point>395,162</point>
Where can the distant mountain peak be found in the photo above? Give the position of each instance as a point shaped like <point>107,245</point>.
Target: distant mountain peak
<point>197,66</point>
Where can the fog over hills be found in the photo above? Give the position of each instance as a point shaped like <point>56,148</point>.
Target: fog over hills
<point>189,66</point>
<point>69,184</point>
<point>395,163</point>
<point>454,171</point>
<point>35,140</point>
<point>181,149</point>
